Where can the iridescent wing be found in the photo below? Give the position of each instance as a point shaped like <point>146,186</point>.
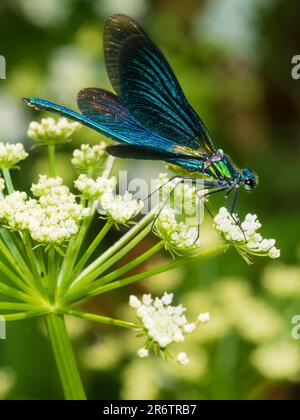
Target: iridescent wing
<point>104,112</point>
<point>107,109</point>
<point>148,88</point>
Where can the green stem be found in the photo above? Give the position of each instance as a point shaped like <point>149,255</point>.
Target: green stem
<point>34,264</point>
<point>16,280</point>
<point>51,156</point>
<point>79,291</point>
<point>64,357</point>
<point>140,276</point>
<point>108,167</point>
<point>51,274</point>
<point>65,278</point>
<point>117,245</point>
<point>12,292</point>
<point>41,265</point>
<point>11,253</point>
<point>8,180</point>
<point>75,244</point>
<point>106,264</point>
<point>81,281</point>
<point>87,254</point>
<point>24,315</point>
<point>101,319</point>
<point>15,306</point>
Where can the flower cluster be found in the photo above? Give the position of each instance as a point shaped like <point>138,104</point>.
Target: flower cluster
<point>94,189</point>
<point>49,131</point>
<point>176,235</point>
<point>163,323</point>
<point>50,219</point>
<point>245,237</point>
<point>120,209</point>
<point>88,158</point>
<point>11,154</point>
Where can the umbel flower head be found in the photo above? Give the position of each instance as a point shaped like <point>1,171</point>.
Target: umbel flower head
<point>11,155</point>
<point>178,201</point>
<point>177,236</point>
<point>163,323</point>
<point>235,235</point>
<point>51,131</point>
<point>94,189</point>
<point>120,209</point>
<point>89,159</point>
<point>51,219</point>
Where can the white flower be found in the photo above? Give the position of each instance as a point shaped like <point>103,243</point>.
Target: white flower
<point>163,323</point>
<point>255,244</point>
<point>89,158</point>
<point>182,358</point>
<point>143,352</point>
<point>120,209</point>
<point>134,302</point>
<point>176,235</point>
<point>11,154</point>
<point>204,318</point>
<point>50,219</point>
<point>189,328</point>
<point>167,298</point>
<point>48,185</point>
<point>147,299</point>
<point>51,131</point>
<point>93,189</point>
<point>274,252</point>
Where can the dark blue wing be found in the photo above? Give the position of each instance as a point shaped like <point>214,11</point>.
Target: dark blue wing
<point>108,110</point>
<point>189,163</point>
<point>148,87</point>
<point>103,112</point>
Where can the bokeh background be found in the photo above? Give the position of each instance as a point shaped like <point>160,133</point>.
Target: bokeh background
<point>233,60</point>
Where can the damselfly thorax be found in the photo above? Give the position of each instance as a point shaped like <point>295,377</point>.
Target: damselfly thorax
<point>220,168</point>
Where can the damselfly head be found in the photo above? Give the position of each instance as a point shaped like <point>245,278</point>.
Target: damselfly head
<point>249,179</point>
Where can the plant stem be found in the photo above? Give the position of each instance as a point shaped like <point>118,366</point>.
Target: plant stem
<point>14,293</point>
<point>113,259</point>
<point>140,276</point>
<point>24,315</point>
<point>79,291</point>
<point>118,245</point>
<point>12,254</point>
<point>51,274</point>
<point>64,356</point>
<point>16,280</point>
<point>64,277</point>
<point>101,319</point>
<point>51,156</point>
<point>87,254</point>
<point>8,180</point>
<point>34,264</point>
<point>15,306</point>
<point>108,167</point>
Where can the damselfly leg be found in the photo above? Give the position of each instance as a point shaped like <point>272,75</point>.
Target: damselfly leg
<point>232,214</point>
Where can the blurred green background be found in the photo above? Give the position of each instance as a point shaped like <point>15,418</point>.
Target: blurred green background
<point>233,60</point>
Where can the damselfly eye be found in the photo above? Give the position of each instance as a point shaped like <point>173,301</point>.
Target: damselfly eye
<point>249,179</point>
<point>249,184</point>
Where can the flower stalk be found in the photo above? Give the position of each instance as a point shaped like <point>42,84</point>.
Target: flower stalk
<point>64,357</point>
